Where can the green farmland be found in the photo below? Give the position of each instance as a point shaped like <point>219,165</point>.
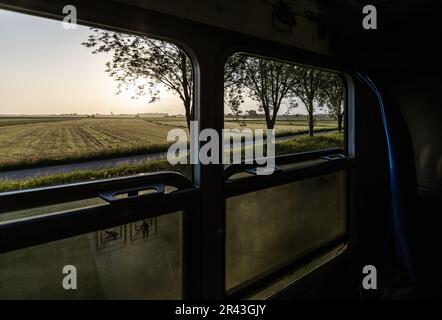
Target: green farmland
<point>27,142</point>
<point>35,142</point>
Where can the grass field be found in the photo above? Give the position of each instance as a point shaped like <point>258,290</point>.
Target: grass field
<point>11,121</point>
<point>36,141</point>
<point>292,126</point>
<point>80,139</point>
<point>304,143</point>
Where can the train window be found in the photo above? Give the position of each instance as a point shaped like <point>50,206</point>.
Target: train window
<point>303,105</point>
<point>140,260</point>
<point>270,228</point>
<point>85,127</point>
<point>86,104</point>
<point>84,123</point>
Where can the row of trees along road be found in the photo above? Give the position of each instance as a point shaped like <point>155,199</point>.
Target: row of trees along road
<point>147,64</point>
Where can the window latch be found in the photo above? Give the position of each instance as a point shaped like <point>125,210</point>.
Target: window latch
<point>333,157</point>
<point>123,196</point>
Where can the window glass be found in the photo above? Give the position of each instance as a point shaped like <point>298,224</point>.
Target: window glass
<point>140,260</point>
<point>271,227</point>
<point>303,105</point>
<point>86,103</point>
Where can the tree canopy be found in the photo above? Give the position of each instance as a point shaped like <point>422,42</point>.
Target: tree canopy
<point>332,96</point>
<point>233,84</point>
<point>268,82</point>
<point>145,63</point>
<point>309,82</point>
<point>148,64</point>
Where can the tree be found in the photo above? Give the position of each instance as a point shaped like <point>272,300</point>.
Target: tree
<point>332,95</point>
<point>233,88</point>
<point>146,63</point>
<point>309,82</point>
<point>252,113</point>
<point>234,104</point>
<point>268,82</point>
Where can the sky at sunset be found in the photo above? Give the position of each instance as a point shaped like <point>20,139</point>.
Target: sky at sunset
<point>46,70</point>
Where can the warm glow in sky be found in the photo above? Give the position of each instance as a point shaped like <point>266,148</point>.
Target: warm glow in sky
<point>44,69</point>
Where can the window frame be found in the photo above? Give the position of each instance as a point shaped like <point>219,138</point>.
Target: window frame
<point>236,187</point>
<point>77,222</point>
<point>204,265</point>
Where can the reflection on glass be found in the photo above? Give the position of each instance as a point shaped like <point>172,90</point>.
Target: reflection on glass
<point>140,260</point>
<point>271,227</point>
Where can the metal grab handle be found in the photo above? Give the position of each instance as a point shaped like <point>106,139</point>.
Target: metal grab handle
<point>280,160</point>
<point>112,196</point>
<point>44,196</point>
